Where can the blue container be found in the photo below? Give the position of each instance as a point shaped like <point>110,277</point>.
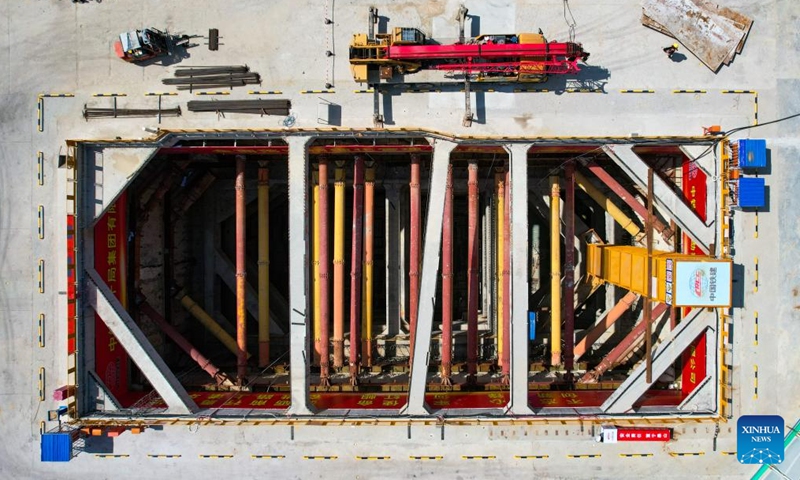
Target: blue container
<point>751,192</point>
<point>752,153</point>
<point>56,447</point>
<point>531,325</point>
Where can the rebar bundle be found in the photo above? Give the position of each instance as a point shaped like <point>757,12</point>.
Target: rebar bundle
<point>199,71</point>
<point>262,107</point>
<point>190,78</point>
<point>94,112</point>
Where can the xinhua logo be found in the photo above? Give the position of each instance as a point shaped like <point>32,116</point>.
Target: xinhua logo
<point>759,439</point>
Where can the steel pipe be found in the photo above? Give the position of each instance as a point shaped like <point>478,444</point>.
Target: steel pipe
<point>324,282</point>
<point>369,239</point>
<point>184,344</point>
<point>569,267</point>
<point>622,193</point>
<point>356,257</point>
<point>447,281</point>
<point>630,342</point>
<point>500,186</point>
<point>213,327</point>
<point>414,253</point>
<point>241,272</point>
<point>555,273</point>
<point>338,267</point>
<point>472,269</point>
<point>315,282</point>
<point>506,370</point>
<point>625,221</point>
<point>263,267</point>
<point>604,324</point>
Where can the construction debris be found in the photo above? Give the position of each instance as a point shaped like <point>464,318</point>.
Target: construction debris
<point>190,78</point>
<point>258,106</point>
<point>714,34</point>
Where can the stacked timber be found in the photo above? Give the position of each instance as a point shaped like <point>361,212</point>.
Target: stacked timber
<point>258,106</point>
<point>198,78</point>
<point>714,34</point>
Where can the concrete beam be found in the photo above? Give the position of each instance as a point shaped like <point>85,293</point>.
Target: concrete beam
<point>226,271</point>
<point>135,343</point>
<point>704,396</point>
<point>623,398</point>
<point>299,281</point>
<point>518,158</point>
<point>668,202</point>
<point>114,169</point>
<point>430,270</point>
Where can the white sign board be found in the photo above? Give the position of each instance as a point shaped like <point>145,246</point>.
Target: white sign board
<point>702,284</point>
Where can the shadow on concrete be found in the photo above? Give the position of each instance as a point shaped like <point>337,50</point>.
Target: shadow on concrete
<point>480,107</point>
<point>677,57</point>
<point>99,445</point>
<point>738,281</point>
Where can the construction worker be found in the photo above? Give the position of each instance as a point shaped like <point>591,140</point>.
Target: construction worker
<point>671,50</point>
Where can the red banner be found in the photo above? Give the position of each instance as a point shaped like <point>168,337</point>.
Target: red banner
<point>695,188</point>
<point>395,401</point>
<point>110,240</point>
<point>71,307</point>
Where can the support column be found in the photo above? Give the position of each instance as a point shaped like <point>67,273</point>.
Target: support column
<point>500,186</point>
<point>356,257</point>
<point>241,273</point>
<point>414,247</point>
<point>447,281</point>
<point>299,281</point>
<point>263,265</point>
<point>604,324</point>
<point>394,277</point>
<point>569,267</point>
<point>518,330</point>
<point>315,238</point>
<point>430,265</point>
<point>472,272</point>
<point>369,238</point>
<point>338,266</point>
<point>324,280</point>
<point>555,273</point>
<point>506,352</point>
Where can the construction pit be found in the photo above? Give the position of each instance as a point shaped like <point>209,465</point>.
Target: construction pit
<point>167,242</point>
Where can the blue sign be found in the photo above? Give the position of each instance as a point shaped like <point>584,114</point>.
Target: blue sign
<point>759,439</point>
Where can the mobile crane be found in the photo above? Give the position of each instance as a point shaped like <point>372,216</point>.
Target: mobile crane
<point>515,57</point>
<point>500,58</point>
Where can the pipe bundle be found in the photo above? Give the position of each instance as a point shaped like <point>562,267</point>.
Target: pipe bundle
<point>258,106</point>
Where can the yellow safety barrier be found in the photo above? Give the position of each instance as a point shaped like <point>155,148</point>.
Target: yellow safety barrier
<point>637,91</point>
<point>755,382</point>
<point>728,453</point>
<point>531,457</point>
<point>212,93</point>
<point>635,455</point>
<point>687,454</point>
<point>689,91</point>
<point>478,457</point>
<point>588,455</point>
<point>755,341</point>
<point>269,457</point>
<point>41,384</point>
<point>584,90</point>
<point>317,91</point>
<point>109,94</point>
<point>160,94</point>
<point>320,457</point>
<point>111,455</point>
<point>41,427</point>
<point>151,455</point>
<point>425,457</point>
<point>40,220</point>
<point>40,168</point>
<point>41,330</point>
<point>222,457</point>
<point>41,275</point>
<point>265,92</point>
<point>373,458</point>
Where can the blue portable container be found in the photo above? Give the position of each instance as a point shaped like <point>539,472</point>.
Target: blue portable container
<point>531,325</point>
<point>56,447</point>
<point>752,153</point>
<point>751,192</point>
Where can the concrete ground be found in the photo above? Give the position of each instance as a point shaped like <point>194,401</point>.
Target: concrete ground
<point>55,46</point>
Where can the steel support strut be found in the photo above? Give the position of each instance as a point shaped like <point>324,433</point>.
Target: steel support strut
<point>569,268</point>
<point>414,248</point>
<point>555,273</point>
<point>447,281</point>
<point>338,267</point>
<point>472,268</point>
<point>315,260</point>
<point>263,266</point>
<point>369,240</point>
<point>356,266</point>
<point>500,185</point>
<point>241,272</point>
<point>324,281</point>
<point>507,279</point>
